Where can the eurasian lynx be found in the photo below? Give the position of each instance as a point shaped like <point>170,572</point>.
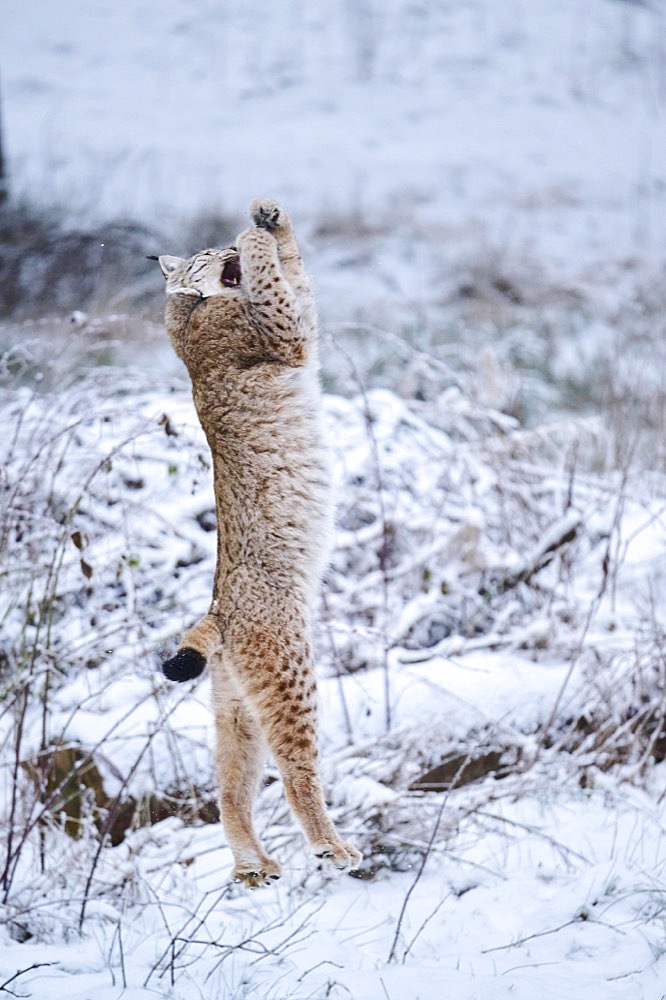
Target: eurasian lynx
<point>243,321</point>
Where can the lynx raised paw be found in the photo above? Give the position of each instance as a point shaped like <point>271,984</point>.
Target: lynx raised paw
<point>256,876</point>
<point>340,855</point>
<point>267,214</point>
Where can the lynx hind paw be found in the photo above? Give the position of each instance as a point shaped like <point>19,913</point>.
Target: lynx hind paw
<point>267,214</point>
<point>257,877</point>
<point>342,856</point>
<point>187,664</point>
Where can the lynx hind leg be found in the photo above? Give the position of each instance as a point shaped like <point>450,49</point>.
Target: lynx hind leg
<point>276,672</point>
<point>195,650</point>
<point>300,774</point>
<point>240,754</point>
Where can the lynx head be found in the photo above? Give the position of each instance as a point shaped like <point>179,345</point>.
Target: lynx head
<point>210,272</point>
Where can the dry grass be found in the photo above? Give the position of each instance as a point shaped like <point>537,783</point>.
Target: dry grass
<point>396,586</point>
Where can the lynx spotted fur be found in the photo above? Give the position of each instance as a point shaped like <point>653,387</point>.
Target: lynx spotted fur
<point>243,321</point>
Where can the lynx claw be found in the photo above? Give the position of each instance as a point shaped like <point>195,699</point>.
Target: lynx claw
<point>343,857</point>
<point>269,874</point>
<point>253,880</point>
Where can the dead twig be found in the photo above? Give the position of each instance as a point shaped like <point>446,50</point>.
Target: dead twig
<point>18,974</point>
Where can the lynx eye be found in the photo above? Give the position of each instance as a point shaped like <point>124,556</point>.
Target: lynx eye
<point>231,273</point>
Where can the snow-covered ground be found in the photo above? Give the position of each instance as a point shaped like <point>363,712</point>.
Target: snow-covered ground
<point>482,189</point>
<point>493,606</point>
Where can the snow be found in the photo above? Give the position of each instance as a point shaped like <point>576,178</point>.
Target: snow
<point>519,913</point>
<point>497,586</point>
<point>550,878</point>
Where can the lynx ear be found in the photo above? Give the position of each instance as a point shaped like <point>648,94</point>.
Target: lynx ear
<point>169,264</point>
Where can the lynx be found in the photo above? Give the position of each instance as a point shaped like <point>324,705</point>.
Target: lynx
<point>243,321</point>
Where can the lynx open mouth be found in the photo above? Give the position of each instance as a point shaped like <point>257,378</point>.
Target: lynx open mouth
<point>231,272</point>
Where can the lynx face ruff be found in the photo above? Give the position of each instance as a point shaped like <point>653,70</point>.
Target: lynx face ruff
<point>243,321</point>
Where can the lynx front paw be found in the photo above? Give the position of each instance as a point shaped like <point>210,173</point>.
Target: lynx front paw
<point>339,855</point>
<point>256,876</point>
<point>267,214</point>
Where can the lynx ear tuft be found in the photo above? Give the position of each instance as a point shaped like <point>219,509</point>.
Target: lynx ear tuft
<point>169,264</point>
<point>187,664</point>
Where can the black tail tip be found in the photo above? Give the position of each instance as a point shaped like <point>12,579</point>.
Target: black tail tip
<point>187,664</point>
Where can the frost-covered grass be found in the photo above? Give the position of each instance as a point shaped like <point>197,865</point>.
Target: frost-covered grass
<point>490,630</point>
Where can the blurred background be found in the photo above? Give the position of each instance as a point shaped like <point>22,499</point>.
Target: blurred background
<point>458,170</point>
